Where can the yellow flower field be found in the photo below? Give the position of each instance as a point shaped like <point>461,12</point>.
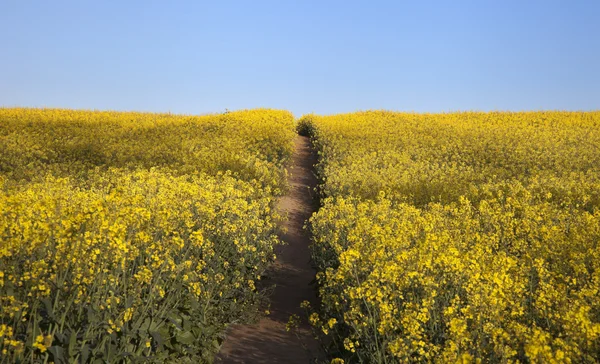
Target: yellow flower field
<point>458,237</point>
<point>134,236</point>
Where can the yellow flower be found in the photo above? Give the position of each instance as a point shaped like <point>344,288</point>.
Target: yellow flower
<point>128,314</point>
<point>42,343</point>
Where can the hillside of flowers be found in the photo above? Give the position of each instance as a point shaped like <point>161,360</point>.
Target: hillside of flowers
<point>133,236</point>
<point>458,237</point>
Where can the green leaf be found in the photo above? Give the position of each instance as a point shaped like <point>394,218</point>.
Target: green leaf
<point>73,344</point>
<point>58,354</point>
<point>175,322</point>
<point>109,350</point>
<point>158,339</point>
<point>187,323</point>
<point>91,315</point>
<point>185,337</point>
<point>60,337</point>
<point>48,307</point>
<point>85,353</point>
<point>145,325</point>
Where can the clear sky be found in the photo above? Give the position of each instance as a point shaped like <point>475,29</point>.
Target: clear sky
<point>304,56</point>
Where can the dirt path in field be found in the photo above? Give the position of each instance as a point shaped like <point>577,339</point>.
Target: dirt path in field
<point>292,274</point>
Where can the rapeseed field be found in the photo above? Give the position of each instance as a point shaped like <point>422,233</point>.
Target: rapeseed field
<point>134,236</point>
<point>458,237</point>
<point>453,237</point>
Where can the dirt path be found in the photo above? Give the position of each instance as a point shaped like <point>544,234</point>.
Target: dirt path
<point>268,341</point>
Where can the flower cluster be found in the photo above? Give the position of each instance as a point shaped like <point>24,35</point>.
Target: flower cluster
<point>127,236</point>
<point>459,237</point>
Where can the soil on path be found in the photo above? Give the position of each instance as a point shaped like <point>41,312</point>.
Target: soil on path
<point>293,276</point>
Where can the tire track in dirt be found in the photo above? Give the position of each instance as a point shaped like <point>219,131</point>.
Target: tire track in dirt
<point>292,274</point>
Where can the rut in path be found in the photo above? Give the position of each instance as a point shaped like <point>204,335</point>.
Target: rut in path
<point>292,274</point>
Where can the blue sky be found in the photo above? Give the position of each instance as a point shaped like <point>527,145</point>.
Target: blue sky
<point>304,56</point>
